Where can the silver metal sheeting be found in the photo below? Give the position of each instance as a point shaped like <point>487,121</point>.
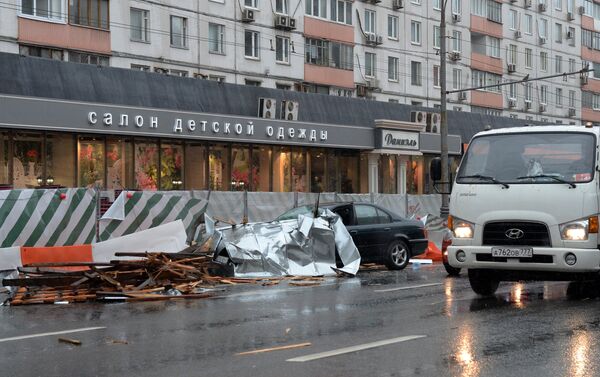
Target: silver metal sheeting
<point>304,247</point>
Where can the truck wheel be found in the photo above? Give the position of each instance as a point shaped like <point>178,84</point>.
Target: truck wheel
<point>452,271</point>
<point>397,255</point>
<point>483,282</point>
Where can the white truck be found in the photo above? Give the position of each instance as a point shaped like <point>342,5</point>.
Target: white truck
<point>524,206</point>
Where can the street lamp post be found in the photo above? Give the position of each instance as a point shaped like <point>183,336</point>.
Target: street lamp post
<point>444,209</point>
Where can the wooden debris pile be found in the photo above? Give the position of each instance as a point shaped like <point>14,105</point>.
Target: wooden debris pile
<point>144,277</point>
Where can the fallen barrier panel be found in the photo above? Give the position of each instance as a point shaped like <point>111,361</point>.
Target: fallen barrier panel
<point>47,217</point>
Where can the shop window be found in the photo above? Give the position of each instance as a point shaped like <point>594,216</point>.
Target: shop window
<point>91,162</point>
<point>240,168</point>
<point>195,167</point>
<point>332,174</point>
<point>414,175</point>
<point>27,160</point>
<point>119,164</point>
<point>4,153</point>
<point>60,161</point>
<point>299,170</point>
<point>171,166</point>
<point>348,167</point>
<point>388,174</point>
<point>261,168</point>
<point>317,170</point>
<point>146,165</point>
<point>364,173</point>
<point>218,165</point>
<point>281,169</point>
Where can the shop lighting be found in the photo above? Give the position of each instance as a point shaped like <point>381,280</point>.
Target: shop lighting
<point>40,180</point>
<point>50,180</point>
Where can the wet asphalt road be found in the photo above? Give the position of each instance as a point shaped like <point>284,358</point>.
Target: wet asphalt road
<point>527,329</point>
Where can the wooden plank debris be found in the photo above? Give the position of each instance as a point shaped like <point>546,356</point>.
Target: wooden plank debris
<point>74,342</point>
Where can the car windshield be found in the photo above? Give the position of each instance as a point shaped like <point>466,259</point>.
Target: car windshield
<point>553,157</point>
<point>293,213</point>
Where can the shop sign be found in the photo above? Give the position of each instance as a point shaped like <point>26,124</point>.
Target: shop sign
<point>199,126</point>
<point>399,140</point>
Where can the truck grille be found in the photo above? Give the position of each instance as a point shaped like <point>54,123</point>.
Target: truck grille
<point>534,234</point>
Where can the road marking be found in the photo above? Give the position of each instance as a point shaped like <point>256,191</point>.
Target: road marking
<point>280,348</point>
<point>405,288</point>
<point>262,292</point>
<point>50,333</point>
<point>360,347</point>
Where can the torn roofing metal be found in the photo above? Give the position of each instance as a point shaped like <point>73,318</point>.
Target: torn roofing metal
<point>304,247</point>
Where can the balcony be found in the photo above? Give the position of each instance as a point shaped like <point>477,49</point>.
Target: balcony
<point>487,99</point>
<point>590,115</point>
<point>486,63</point>
<point>328,76</point>
<point>590,54</point>
<point>484,26</point>
<point>328,30</point>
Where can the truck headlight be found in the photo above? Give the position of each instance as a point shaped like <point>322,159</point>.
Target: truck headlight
<point>579,230</point>
<point>462,229</point>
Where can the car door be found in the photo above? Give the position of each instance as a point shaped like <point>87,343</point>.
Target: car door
<point>367,232</point>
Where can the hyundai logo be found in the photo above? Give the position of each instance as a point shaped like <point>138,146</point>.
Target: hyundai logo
<point>514,234</point>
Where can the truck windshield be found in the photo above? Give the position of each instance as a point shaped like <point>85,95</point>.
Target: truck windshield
<point>540,158</point>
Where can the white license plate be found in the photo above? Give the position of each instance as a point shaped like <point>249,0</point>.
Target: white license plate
<point>512,252</point>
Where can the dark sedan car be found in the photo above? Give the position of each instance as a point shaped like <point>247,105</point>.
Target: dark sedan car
<point>379,235</point>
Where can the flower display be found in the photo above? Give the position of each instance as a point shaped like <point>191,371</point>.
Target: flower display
<point>170,166</point>
<point>146,167</point>
<point>91,164</point>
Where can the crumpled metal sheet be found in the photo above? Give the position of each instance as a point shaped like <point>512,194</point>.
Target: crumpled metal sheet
<point>305,247</point>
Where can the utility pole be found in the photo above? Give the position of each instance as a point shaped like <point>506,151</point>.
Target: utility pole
<point>444,209</point>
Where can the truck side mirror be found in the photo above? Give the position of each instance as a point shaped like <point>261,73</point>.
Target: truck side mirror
<point>435,169</point>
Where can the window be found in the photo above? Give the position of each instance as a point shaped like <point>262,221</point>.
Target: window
<point>370,60</point>
<point>415,73</point>
<point>317,8</point>
<point>528,91</point>
<point>571,39</point>
<point>528,24</point>
<point>558,64</point>
<point>559,94</point>
<point>282,49</point>
<point>456,78</point>
<point>392,68</point>
<point>139,67</point>
<point>139,25</point>
<point>436,76</point>
<point>543,94</point>
<point>590,39</point>
<point>50,9</point>
<point>216,38</point>
<point>251,3</point>
<point>415,32</point>
<point>251,44</point>
<point>571,98</point>
<point>543,25</point>
<point>92,13</point>
<point>558,33</point>
<point>456,41</point>
<point>479,8</point>
<point>418,2</point>
<point>341,11</point>
<point>252,82</point>
<point>512,91</point>
<point>82,57</point>
<point>494,11</point>
<point>216,78</point>
<point>41,52</point>
<point>437,4</point>
<point>493,47</point>
<point>436,36</point>
<point>543,61</point>
<point>512,54</point>
<point>572,65</point>
<point>596,102</point>
<point>369,21</point>
<point>392,27</point>
<point>456,7</point>
<point>481,78</point>
<point>513,22</point>
<point>281,6</point>
<point>558,4</point>
<point>178,31</point>
<point>329,54</point>
<point>366,215</point>
<point>283,86</point>
<point>528,58</point>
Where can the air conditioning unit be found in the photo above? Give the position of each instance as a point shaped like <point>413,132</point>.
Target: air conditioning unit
<point>512,102</point>
<point>455,17</point>
<point>527,104</point>
<point>454,56</point>
<point>282,22</point>
<point>570,34</point>
<point>373,84</point>
<point>247,15</point>
<point>542,107</point>
<point>266,108</point>
<point>292,23</point>
<point>397,4</point>
<point>542,40</point>
<point>462,96</point>
<point>419,117</point>
<point>433,123</point>
<point>289,110</point>
<point>570,16</point>
<point>527,3</point>
<point>512,67</point>
<point>361,90</point>
<point>583,80</point>
<point>571,112</point>
<point>581,9</point>
<point>542,7</point>
<point>379,40</point>
<point>518,34</point>
<point>371,38</point>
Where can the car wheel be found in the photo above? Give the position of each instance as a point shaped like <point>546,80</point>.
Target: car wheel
<point>483,282</point>
<point>452,271</point>
<point>397,255</point>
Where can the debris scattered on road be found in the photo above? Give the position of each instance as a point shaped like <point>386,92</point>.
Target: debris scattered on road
<point>74,342</point>
<point>280,348</point>
<point>117,341</point>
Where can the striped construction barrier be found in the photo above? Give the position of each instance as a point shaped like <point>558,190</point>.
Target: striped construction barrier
<point>134,211</point>
<point>54,217</point>
<point>168,238</point>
